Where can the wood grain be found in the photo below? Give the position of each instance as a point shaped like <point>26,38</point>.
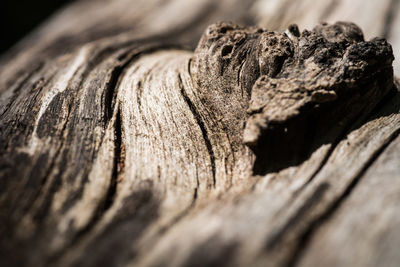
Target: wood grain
<point>113,155</point>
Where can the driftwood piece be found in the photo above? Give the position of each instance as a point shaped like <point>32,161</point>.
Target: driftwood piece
<point>131,136</point>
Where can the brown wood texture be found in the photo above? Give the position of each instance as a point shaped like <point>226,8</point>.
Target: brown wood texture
<point>118,149</point>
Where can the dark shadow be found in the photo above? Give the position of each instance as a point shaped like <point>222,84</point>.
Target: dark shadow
<point>291,143</point>
<point>18,18</point>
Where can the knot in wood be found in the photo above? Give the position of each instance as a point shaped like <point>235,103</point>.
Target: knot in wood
<point>284,79</point>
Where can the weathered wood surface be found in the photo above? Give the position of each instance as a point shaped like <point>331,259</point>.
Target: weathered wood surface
<point>113,155</point>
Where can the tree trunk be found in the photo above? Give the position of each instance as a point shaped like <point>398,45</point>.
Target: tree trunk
<point>133,133</point>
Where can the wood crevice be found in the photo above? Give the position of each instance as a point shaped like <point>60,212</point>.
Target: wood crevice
<point>203,129</point>
<point>123,145</point>
<point>314,225</point>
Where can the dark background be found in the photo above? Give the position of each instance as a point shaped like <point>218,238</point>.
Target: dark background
<point>19,17</point>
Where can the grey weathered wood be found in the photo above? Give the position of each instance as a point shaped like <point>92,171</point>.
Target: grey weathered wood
<point>111,154</point>
<point>366,221</point>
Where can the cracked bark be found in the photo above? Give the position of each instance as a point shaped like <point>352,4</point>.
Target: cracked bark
<point>130,142</point>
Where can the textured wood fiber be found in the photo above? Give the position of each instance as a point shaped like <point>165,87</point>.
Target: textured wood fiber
<point>113,155</point>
